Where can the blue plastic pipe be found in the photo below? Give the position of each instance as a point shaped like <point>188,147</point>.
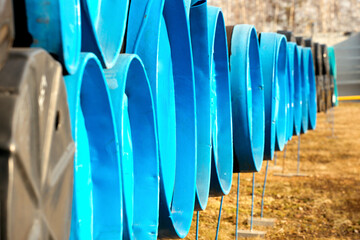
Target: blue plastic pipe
<point>221,115</point>
<point>312,90</point>
<point>290,96</point>
<point>164,25</point>
<point>55,26</point>
<point>295,71</point>
<point>333,73</point>
<point>142,33</point>
<point>247,97</point>
<point>97,202</point>
<point>268,53</point>
<point>304,89</point>
<point>135,120</point>
<point>103,25</point>
<point>200,50</point>
<point>282,87</point>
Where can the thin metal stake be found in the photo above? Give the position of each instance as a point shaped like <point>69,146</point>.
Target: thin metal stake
<point>298,156</point>
<point>237,207</point>
<point>219,219</point>
<point>263,192</point>
<point>252,203</point>
<point>197,224</point>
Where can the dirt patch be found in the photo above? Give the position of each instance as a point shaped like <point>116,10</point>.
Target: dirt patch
<point>323,205</point>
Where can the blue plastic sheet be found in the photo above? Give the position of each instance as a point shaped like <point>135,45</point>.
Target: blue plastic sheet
<point>304,90</point>
<point>312,90</point>
<point>164,25</point>
<point>97,202</point>
<point>247,97</point>
<point>103,25</point>
<point>268,53</point>
<point>55,26</point>
<point>282,83</point>
<point>221,115</point>
<point>200,50</point>
<point>135,118</point>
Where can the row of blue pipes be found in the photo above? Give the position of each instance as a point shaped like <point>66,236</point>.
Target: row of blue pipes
<point>166,103</point>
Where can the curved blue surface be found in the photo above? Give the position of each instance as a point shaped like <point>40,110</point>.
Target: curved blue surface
<point>103,25</point>
<point>294,66</point>
<point>169,64</point>
<point>312,91</point>
<point>142,33</point>
<point>55,26</point>
<point>200,50</point>
<point>305,87</point>
<point>97,202</point>
<point>247,97</point>
<point>221,115</point>
<point>268,60</point>
<point>135,117</point>
<point>282,84</point>
<point>290,93</point>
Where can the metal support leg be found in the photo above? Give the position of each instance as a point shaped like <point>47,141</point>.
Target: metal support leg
<point>197,224</point>
<point>219,218</point>
<point>263,192</point>
<point>251,233</point>
<point>237,207</point>
<point>252,202</point>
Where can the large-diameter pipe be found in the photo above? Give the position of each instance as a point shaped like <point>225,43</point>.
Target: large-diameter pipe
<point>140,35</point>
<point>319,78</point>
<point>269,70</point>
<point>327,79</point>
<point>37,149</point>
<point>54,26</point>
<point>103,25</point>
<point>333,74</point>
<point>169,65</point>
<point>247,97</point>
<point>221,115</point>
<point>157,62</point>
<point>312,90</point>
<point>175,219</point>
<point>304,90</point>
<point>200,50</point>
<point>294,67</point>
<point>282,82</point>
<point>97,201</point>
<point>135,120</point>
<point>289,98</point>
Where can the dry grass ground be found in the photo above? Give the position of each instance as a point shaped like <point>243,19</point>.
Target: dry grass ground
<point>323,205</point>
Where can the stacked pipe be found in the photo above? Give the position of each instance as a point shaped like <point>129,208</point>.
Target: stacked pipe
<point>120,119</point>
<point>35,141</point>
<point>328,80</point>
<point>333,75</point>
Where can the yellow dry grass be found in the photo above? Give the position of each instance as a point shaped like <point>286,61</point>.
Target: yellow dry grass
<point>323,205</point>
